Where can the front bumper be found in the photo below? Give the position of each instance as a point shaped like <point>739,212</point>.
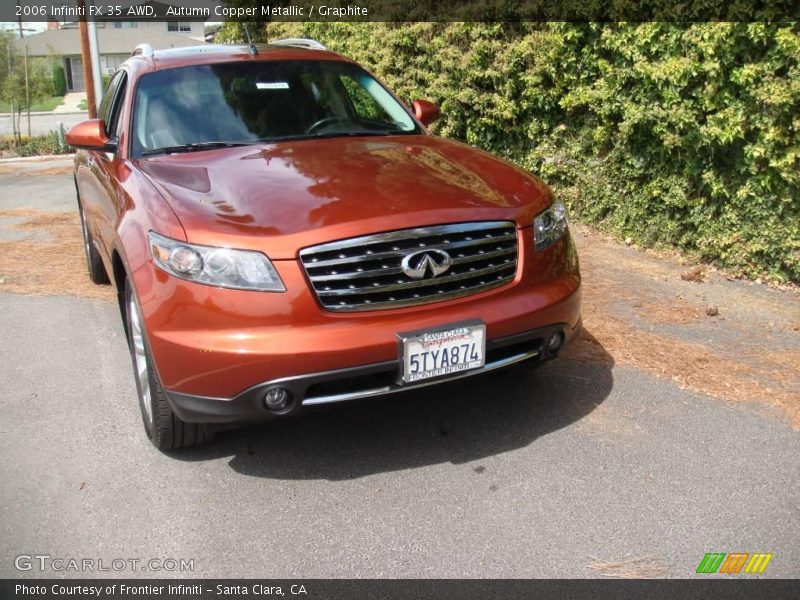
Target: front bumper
<point>362,382</point>
<point>219,343</point>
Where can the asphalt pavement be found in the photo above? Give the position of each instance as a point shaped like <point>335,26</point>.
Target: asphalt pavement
<point>559,471</point>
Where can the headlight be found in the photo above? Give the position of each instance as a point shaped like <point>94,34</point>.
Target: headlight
<point>221,267</point>
<point>549,225</point>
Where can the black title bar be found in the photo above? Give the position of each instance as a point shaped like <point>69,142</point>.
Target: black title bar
<point>402,10</point>
<point>395,589</point>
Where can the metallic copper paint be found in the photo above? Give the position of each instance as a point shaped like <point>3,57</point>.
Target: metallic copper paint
<point>89,134</point>
<point>280,198</point>
<point>426,112</point>
<point>215,342</point>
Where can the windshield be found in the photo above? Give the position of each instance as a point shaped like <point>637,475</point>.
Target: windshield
<point>250,102</point>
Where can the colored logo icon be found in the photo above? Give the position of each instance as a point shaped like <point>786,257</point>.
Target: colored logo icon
<point>735,562</point>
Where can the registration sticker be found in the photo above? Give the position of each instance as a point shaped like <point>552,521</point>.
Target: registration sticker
<point>274,85</point>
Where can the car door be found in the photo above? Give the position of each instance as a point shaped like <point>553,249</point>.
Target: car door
<point>105,166</point>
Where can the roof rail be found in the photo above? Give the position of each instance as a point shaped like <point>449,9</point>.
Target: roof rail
<point>299,43</point>
<point>145,50</point>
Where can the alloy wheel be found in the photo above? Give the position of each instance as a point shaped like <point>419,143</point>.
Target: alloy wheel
<point>140,360</point>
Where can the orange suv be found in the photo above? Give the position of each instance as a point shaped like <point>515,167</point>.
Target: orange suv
<point>283,232</point>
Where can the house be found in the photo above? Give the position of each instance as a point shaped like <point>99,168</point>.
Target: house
<point>193,28</point>
<point>13,27</point>
<point>116,40</point>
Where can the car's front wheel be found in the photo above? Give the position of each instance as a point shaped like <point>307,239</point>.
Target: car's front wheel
<point>97,272</point>
<point>163,427</point>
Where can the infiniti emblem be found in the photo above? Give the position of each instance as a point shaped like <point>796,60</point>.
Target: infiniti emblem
<point>425,263</point>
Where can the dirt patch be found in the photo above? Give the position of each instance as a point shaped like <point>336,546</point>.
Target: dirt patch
<point>624,307</point>
<point>693,366</point>
<point>675,311</point>
<point>641,567</point>
<point>52,265</point>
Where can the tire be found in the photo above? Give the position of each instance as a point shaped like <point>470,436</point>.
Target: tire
<point>97,272</point>
<point>162,426</point>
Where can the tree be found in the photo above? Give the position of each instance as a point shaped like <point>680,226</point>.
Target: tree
<point>22,81</point>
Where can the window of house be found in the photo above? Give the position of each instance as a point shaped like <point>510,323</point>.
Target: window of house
<point>181,26</point>
<point>112,62</point>
<point>125,24</point>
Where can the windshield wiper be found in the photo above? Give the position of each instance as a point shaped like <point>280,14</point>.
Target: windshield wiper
<point>193,147</point>
<point>379,132</point>
<point>332,134</point>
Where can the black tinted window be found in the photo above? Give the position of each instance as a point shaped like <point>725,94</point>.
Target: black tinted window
<point>104,110</point>
<point>114,120</point>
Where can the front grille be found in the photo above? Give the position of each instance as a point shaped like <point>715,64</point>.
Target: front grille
<point>365,273</point>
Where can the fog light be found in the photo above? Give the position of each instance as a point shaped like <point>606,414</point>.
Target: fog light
<point>555,341</point>
<point>277,399</point>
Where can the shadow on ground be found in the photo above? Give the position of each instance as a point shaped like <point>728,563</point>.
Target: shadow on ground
<point>453,423</point>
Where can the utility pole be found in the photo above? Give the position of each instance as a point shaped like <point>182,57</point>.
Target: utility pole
<point>94,48</point>
<point>86,58</point>
<point>27,91</point>
<point>11,99</point>
<point>19,21</point>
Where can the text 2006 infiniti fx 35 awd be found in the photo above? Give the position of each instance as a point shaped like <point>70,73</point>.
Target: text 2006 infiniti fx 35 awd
<point>283,232</point>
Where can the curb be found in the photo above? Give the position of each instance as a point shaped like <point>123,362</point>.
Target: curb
<point>40,158</point>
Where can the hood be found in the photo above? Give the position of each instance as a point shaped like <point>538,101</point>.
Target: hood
<point>279,198</point>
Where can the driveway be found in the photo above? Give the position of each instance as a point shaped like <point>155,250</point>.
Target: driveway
<point>663,434</point>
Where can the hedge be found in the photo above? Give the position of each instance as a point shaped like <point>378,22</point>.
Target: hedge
<point>681,135</point>
<point>34,146</point>
<point>59,80</point>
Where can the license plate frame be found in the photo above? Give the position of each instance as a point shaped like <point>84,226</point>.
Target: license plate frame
<point>409,343</point>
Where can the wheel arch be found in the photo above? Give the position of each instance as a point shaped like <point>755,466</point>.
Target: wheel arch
<point>120,276</point>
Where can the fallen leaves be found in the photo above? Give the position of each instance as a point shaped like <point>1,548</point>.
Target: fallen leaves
<point>52,262</point>
<point>696,274</point>
<point>641,567</point>
<point>634,316</point>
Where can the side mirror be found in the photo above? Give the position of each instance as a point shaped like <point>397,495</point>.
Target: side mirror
<point>91,135</point>
<point>425,112</point>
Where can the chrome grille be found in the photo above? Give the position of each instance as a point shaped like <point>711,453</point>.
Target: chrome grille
<point>364,273</point>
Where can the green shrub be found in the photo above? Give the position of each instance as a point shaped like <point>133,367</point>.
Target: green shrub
<point>33,146</point>
<point>59,80</point>
<point>685,135</point>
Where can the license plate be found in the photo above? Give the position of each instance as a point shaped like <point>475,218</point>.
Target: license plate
<point>440,352</point>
